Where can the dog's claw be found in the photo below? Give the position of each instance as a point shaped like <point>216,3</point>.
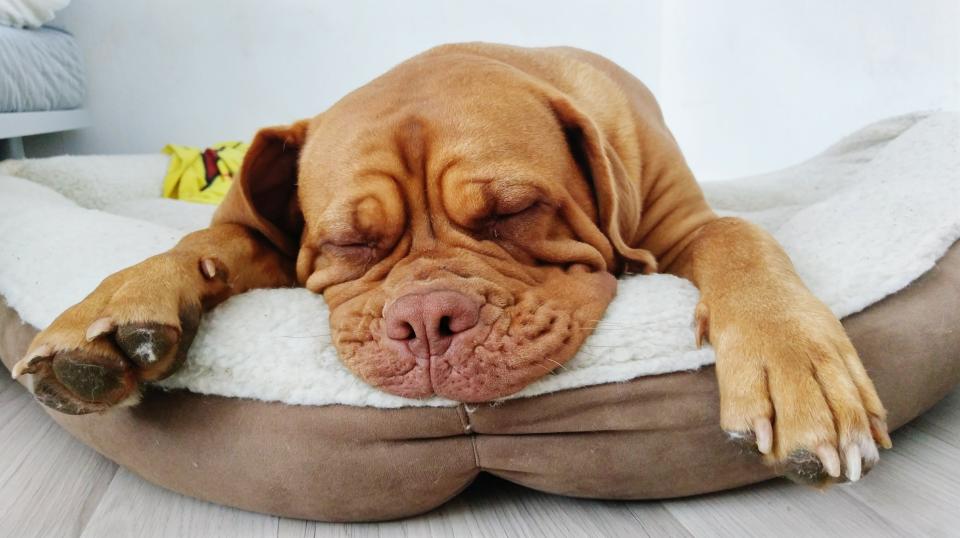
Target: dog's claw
<point>853,463</point>
<point>208,267</point>
<point>830,459</point>
<point>20,368</point>
<point>100,327</point>
<point>880,432</point>
<point>26,364</point>
<point>871,454</point>
<point>763,431</point>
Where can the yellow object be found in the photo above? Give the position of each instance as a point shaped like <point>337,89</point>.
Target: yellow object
<point>202,176</point>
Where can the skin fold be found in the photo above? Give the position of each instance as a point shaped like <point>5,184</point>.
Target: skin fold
<point>465,216</point>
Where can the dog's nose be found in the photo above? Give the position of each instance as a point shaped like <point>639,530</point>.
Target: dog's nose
<point>429,321</point>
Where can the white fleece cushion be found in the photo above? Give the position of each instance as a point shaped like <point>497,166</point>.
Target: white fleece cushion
<point>861,221</point>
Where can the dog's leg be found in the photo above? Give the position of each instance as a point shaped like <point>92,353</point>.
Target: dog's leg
<point>137,325</point>
<point>790,380</point>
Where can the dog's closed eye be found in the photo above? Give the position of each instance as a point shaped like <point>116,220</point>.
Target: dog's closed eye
<point>513,220</point>
<point>352,252</point>
<point>512,207</point>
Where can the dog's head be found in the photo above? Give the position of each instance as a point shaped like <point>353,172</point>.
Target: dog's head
<point>462,219</point>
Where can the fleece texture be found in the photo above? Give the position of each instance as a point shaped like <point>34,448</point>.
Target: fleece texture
<point>861,221</point>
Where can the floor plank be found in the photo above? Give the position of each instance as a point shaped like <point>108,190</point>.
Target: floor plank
<point>494,507</point>
<point>49,482</point>
<point>943,421</point>
<point>782,509</point>
<point>132,506</point>
<point>917,481</point>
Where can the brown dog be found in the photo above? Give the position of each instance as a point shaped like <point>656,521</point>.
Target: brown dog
<point>465,216</point>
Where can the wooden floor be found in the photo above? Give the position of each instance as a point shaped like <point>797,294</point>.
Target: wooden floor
<point>51,485</point>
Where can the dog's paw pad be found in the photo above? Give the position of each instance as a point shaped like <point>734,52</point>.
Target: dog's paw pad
<point>92,377</point>
<point>805,467</point>
<point>147,344</point>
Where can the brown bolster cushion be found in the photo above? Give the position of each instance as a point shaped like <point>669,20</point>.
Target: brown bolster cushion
<point>652,437</point>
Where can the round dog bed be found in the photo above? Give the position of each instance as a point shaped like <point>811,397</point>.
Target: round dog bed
<point>869,224</point>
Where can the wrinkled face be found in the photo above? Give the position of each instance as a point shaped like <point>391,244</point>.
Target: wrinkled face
<point>453,235</point>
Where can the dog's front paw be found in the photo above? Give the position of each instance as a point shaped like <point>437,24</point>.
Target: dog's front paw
<point>793,387</point>
<point>136,326</point>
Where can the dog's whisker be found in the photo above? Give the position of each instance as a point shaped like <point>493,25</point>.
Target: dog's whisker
<point>562,367</point>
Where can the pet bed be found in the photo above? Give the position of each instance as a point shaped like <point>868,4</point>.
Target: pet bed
<point>869,223</point>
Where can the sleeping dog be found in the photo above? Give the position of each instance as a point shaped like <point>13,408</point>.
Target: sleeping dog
<point>465,217</point>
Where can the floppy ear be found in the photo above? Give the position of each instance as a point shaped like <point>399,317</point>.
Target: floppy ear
<point>264,196</point>
<point>617,195</point>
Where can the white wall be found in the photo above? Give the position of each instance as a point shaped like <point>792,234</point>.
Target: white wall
<point>197,72</point>
<point>750,86</point>
<point>746,85</point>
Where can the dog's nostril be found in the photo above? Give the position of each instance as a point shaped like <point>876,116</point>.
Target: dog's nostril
<point>399,329</point>
<point>443,328</point>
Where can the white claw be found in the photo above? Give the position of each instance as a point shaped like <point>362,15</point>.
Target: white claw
<point>208,268</point>
<point>19,368</point>
<point>43,350</point>
<point>853,462</point>
<point>871,454</point>
<point>100,327</point>
<point>763,431</point>
<point>830,460</point>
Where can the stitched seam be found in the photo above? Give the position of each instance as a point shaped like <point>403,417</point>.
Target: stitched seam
<point>467,425</point>
<point>476,451</point>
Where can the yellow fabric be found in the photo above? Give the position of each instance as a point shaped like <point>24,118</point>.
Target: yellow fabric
<point>196,177</point>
